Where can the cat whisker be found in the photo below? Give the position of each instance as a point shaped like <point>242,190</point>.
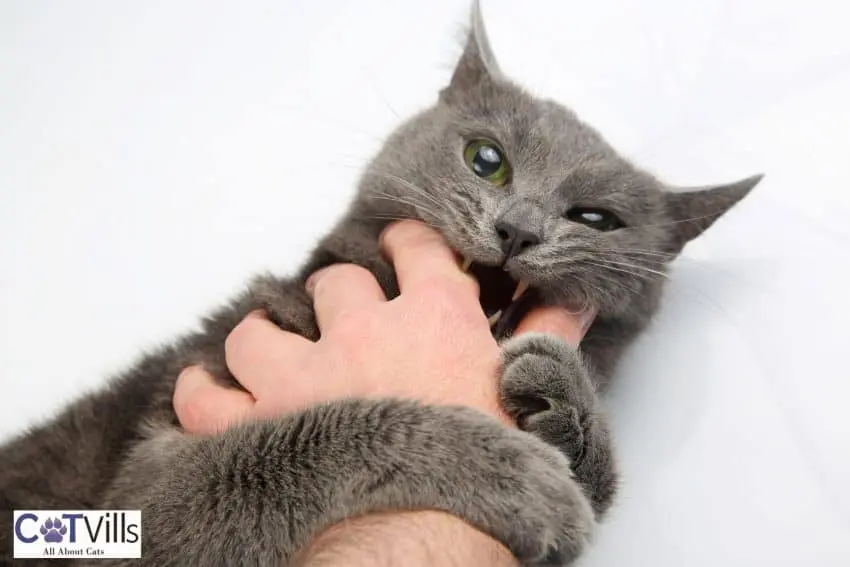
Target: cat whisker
<point>421,208</point>
<point>679,221</point>
<point>449,206</point>
<point>639,275</point>
<point>401,218</point>
<point>366,72</point>
<point>407,184</point>
<point>398,199</point>
<point>634,266</point>
<point>586,283</point>
<point>663,256</point>
<point>616,283</point>
<point>652,253</point>
<point>609,263</point>
<point>667,257</point>
<point>551,269</point>
<point>333,122</point>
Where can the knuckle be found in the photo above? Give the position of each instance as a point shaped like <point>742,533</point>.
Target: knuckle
<point>238,336</point>
<point>435,295</point>
<point>331,276</point>
<point>450,305</point>
<point>341,275</point>
<point>348,326</point>
<point>345,320</point>
<point>447,286</point>
<point>454,293</point>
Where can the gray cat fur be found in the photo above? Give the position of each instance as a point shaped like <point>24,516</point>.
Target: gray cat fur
<point>255,494</point>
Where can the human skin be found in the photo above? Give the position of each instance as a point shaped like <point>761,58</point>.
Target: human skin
<point>431,343</point>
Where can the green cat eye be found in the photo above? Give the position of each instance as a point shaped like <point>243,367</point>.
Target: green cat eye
<point>487,161</point>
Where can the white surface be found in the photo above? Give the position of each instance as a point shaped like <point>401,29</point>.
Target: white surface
<point>153,154</point>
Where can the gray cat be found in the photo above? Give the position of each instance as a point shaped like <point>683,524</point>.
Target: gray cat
<point>542,208</point>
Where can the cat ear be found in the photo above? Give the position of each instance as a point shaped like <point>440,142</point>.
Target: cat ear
<point>477,64</point>
<point>693,210</point>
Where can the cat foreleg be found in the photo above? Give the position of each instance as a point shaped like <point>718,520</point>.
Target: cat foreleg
<point>259,492</point>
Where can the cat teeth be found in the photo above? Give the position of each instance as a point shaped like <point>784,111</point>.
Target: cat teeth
<point>466,264</point>
<point>521,288</point>
<point>494,318</point>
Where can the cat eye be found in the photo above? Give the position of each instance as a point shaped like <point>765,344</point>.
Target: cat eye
<point>599,219</point>
<point>487,161</point>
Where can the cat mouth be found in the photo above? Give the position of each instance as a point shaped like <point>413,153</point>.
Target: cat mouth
<point>504,300</point>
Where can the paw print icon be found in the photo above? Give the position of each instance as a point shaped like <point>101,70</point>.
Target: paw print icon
<point>53,530</point>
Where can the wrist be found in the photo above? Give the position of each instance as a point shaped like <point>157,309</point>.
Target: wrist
<point>413,539</point>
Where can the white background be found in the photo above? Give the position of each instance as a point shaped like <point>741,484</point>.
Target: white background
<point>154,154</point>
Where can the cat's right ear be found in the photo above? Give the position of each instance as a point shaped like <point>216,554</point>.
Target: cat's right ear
<point>477,64</point>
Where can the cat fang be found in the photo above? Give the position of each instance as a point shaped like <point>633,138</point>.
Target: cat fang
<point>495,286</point>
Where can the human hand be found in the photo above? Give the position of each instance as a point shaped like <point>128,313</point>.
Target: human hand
<point>431,343</point>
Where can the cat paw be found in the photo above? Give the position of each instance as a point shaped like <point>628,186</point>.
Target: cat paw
<point>545,387</point>
<point>286,303</point>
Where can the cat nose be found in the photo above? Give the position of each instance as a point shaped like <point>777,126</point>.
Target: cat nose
<point>515,239</point>
<point>520,226</point>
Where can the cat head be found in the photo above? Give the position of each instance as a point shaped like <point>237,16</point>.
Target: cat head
<point>532,196</point>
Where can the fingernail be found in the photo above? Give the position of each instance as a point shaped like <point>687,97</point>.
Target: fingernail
<point>184,380</point>
<point>588,316</point>
<point>310,284</point>
<point>384,231</point>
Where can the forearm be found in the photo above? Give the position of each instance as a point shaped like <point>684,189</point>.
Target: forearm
<point>412,539</point>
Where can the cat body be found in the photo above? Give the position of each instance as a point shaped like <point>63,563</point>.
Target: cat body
<point>525,191</point>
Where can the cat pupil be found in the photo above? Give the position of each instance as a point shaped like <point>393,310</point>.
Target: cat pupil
<point>599,219</point>
<point>487,161</point>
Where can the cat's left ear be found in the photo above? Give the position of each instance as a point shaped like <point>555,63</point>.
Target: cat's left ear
<point>693,211</point>
<point>477,64</point>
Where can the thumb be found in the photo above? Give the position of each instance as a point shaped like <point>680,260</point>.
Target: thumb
<point>570,326</point>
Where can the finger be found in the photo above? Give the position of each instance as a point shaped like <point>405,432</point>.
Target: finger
<point>205,407</point>
<point>421,257</point>
<point>340,288</point>
<point>258,353</point>
<point>557,320</point>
